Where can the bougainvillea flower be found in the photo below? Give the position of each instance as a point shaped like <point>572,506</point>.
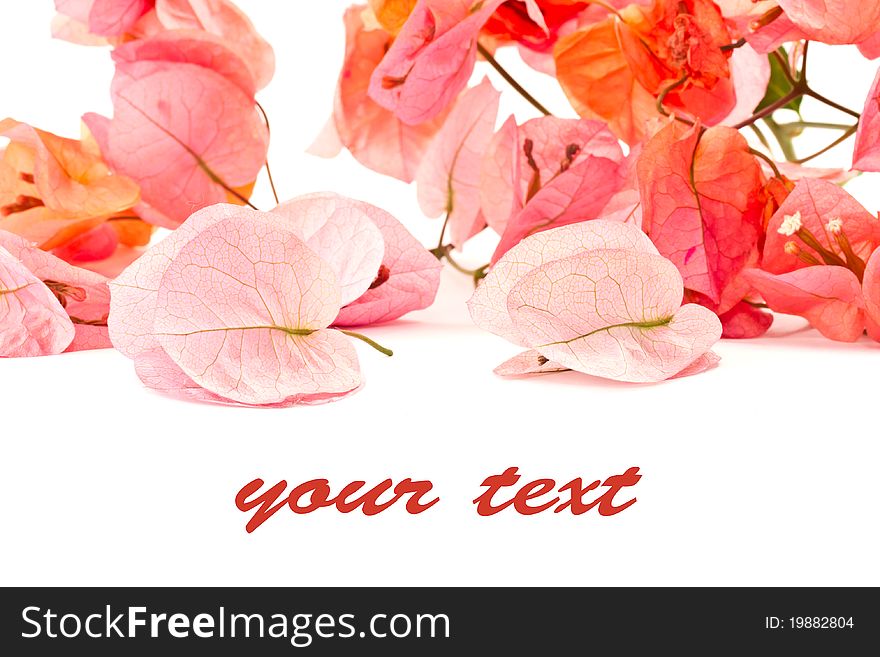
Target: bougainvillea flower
<point>240,306</point>
<point>105,18</point>
<point>432,58</point>
<point>834,21</point>
<point>82,294</point>
<point>199,48</point>
<point>407,276</point>
<point>800,234</point>
<point>189,136</point>
<point>616,69</point>
<point>32,320</point>
<point>53,189</point>
<point>829,297</point>
<point>521,160</point>
<point>224,20</point>
<point>374,135</point>
<point>392,14</point>
<point>488,305</point>
<point>611,312</point>
<point>581,195</point>
<point>820,261</point>
<point>702,203</point>
<point>449,178</point>
<point>534,24</point>
<point>866,156</point>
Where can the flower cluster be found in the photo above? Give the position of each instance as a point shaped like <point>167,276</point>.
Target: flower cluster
<point>675,81</point>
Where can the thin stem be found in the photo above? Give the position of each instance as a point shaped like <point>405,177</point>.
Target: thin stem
<point>734,46</point>
<point>803,74</point>
<point>760,135</point>
<point>846,135</point>
<point>268,168</point>
<point>443,233</point>
<point>375,345</point>
<point>768,160</point>
<point>767,111</point>
<point>831,103</point>
<point>797,125</point>
<point>468,272</point>
<point>666,91</point>
<point>510,80</point>
<point>786,68</point>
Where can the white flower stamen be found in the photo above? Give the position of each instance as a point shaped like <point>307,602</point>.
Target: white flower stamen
<point>834,226</point>
<point>791,224</point>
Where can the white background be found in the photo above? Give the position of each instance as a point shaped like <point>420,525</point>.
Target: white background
<point>762,471</point>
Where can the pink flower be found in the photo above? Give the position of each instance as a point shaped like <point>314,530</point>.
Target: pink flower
<point>821,261</point>
<point>595,297</point>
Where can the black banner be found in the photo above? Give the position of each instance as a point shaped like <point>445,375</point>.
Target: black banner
<point>420,621</point>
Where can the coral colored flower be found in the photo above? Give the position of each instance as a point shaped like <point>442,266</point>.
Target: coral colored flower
<point>391,14</point>
<point>374,135</point>
<point>618,68</point>
<point>46,305</point>
<point>53,189</point>
<point>702,202</point>
<point>432,58</point>
<point>821,261</point>
<point>534,24</point>
<point>595,297</point>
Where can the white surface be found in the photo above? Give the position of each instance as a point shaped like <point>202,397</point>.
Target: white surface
<point>759,472</point>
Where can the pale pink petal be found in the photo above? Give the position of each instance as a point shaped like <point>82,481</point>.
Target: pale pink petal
<point>116,17</point>
<point>744,321</point>
<point>177,128</point>
<point>136,289</point>
<point>771,37</point>
<point>870,47</point>
<point>158,372</point>
<point>449,178</point>
<point>612,313</point>
<point>432,58</point>
<point>374,135</point>
<point>522,160</point>
<point>580,195</point>
<point>488,305</point>
<point>328,143</point>
<point>750,72</point>
<point>871,291</point>
<point>189,47</point>
<point>528,362</point>
<point>834,21</point>
<point>534,11</point>
<point>242,309</point>
<point>702,202</point>
<point>226,21</point>
<point>817,202</point>
<point>32,321</point>
<point>413,276</point>
<point>706,362</point>
<point>85,293</point>
<point>829,297</point>
<point>866,156</point>
<point>342,234</point>
<point>499,172</point>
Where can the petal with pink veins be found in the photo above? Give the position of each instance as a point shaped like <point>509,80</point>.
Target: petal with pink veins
<point>243,310</point>
<point>431,59</point>
<point>828,297</point>
<point>488,305</point>
<point>449,177</point>
<point>612,313</point>
<point>32,320</point>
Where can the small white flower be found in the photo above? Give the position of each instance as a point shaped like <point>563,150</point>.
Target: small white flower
<point>792,249</point>
<point>834,225</point>
<point>791,224</point>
